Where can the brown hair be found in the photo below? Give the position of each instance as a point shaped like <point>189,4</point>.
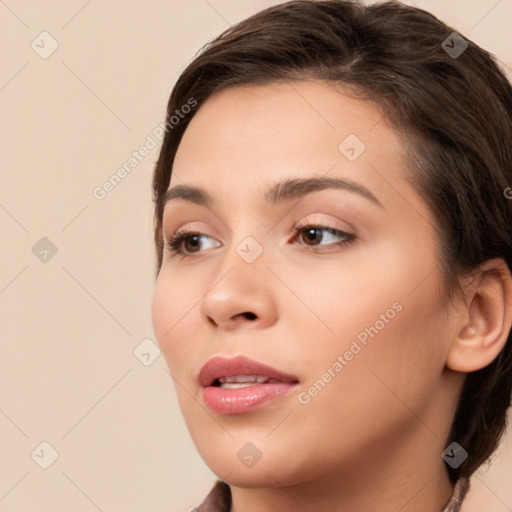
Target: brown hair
<point>454,113</point>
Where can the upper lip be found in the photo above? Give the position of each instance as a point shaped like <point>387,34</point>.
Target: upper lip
<point>218,366</point>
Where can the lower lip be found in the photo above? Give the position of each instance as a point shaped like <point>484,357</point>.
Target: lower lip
<point>240,400</point>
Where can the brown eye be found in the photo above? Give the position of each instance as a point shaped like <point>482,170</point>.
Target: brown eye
<point>313,236</point>
<point>191,243</point>
<point>187,242</point>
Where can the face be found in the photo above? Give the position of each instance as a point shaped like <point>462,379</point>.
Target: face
<point>332,282</point>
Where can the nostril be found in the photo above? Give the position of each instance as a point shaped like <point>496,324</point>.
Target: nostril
<point>249,315</point>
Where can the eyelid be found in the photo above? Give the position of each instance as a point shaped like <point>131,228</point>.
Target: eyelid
<point>175,242</point>
<point>177,238</point>
<point>326,221</point>
<point>347,237</point>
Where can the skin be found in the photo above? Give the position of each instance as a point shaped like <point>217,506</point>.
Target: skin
<point>371,439</point>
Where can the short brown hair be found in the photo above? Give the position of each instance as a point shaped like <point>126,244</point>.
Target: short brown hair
<point>454,113</point>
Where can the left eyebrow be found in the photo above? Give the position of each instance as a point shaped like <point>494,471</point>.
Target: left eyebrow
<point>283,191</point>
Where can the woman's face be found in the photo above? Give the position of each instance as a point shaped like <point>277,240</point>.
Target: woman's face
<point>348,306</point>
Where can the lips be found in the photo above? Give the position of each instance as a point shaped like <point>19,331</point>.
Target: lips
<point>240,369</point>
<point>239,385</point>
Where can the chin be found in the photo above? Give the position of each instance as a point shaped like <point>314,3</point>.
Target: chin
<point>244,465</point>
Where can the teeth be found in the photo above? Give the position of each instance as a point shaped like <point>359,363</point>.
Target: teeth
<point>236,385</point>
<point>242,381</point>
<point>250,379</point>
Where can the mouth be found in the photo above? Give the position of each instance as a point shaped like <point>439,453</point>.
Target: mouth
<point>242,381</point>
<point>238,385</point>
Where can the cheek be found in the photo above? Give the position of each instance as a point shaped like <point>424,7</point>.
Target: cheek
<point>386,327</point>
<point>171,308</point>
<point>394,346</point>
<point>158,308</point>
<point>163,310</point>
<point>369,401</point>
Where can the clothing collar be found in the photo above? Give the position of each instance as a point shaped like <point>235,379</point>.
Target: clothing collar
<point>459,493</point>
<point>219,498</point>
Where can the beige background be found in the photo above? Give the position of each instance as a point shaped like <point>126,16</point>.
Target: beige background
<point>69,325</point>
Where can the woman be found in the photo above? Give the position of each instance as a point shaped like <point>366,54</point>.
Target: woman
<point>333,293</point>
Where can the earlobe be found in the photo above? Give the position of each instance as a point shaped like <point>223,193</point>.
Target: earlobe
<point>486,324</point>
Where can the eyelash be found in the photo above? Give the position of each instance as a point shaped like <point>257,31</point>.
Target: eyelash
<point>175,242</point>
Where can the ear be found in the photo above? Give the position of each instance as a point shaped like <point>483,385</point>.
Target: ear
<point>486,321</point>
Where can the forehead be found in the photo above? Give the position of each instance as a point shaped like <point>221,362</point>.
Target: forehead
<point>244,139</point>
<point>287,110</point>
<point>245,120</point>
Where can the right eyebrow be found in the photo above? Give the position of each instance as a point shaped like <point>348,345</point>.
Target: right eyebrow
<point>283,191</point>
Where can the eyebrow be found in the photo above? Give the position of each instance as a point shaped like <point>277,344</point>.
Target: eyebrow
<point>284,191</point>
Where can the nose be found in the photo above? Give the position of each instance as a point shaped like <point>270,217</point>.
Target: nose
<point>241,294</point>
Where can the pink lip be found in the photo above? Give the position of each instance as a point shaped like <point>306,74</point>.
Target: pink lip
<point>245,399</point>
